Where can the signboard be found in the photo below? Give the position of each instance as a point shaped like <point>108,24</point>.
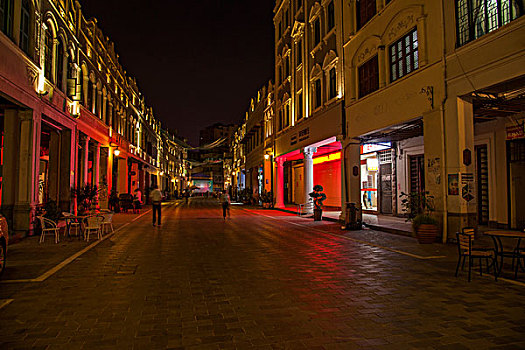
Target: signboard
<point>467,186</point>
<point>515,132</point>
<point>375,147</point>
<point>453,184</point>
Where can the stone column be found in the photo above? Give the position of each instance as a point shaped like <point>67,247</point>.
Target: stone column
<point>279,186</point>
<point>353,166</point>
<point>96,168</point>
<point>85,160</point>
<point>308,169</point>
<point>382,66</point>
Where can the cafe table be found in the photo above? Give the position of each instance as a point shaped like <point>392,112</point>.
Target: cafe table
<point>70,219</point>
<point>501,253</point>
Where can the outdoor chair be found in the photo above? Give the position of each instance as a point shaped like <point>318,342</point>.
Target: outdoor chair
<point>93,223</point>
<point>466,251</point>
<point>107,221</point>
<point>48,226</point>
<point>71,223</point>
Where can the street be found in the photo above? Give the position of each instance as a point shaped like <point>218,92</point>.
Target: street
<point>262,279</point>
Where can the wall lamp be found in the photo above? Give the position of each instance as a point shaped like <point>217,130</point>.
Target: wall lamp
<point>116,152</point>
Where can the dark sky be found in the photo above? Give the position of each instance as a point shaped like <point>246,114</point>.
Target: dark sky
<point>197,62</point>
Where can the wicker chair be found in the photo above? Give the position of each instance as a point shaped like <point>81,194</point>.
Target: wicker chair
<point>93,223</point>
<point>48,226</point>
<point>107,221</point>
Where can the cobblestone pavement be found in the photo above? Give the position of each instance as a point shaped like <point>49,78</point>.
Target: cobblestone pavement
<point>260,280</point>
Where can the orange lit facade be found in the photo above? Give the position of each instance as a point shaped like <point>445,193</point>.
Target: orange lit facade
<point>69,114</point>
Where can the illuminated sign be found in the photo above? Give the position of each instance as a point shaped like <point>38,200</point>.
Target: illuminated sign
<point>372,164</point>
<point>375,147</point>
<point>327,158</point>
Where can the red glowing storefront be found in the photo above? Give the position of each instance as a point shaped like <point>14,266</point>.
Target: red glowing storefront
<point>316,164</point>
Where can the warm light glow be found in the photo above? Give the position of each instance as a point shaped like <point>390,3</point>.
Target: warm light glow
<point>327,158</point>
<point>116,152</point>
<point>161,173</point>
<point>372,164</point>
<point>266,156</point>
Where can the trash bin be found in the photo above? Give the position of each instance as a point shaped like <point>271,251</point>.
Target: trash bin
<point>351,220</point>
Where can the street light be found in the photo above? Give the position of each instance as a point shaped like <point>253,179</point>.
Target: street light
<point>116,152</point>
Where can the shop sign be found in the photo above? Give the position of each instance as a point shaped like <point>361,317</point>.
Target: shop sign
<point>372,164</point>
<point>515,132</point>
<point>375,147</point>
<point>293,140</point>
<point>304,134</point>
<point>467,186</point>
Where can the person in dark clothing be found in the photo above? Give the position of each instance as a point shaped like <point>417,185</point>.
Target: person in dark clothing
<point>156,201</point>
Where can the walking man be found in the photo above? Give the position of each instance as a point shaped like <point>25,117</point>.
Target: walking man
<point>156,201</point>
<point>225,200</point>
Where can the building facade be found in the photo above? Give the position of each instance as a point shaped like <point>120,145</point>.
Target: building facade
<point>70,115</point>
<point>435,103</point>
<point>309,95</point>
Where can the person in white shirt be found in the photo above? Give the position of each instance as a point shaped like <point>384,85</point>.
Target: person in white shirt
<point>156,201</point>
<point>225,201</point>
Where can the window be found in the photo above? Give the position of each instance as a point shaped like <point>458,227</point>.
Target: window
<point>332,86</point>
<point>60,65</point>
<point>368,77</point>
<point>299,103</point>
<point>286,115</point>
<point>280,30</point>
<point>24,26</point>
<point>48,55</point>
<point>6,16</point>
<point>299,52</point>
<point>317,31</point>
<point>286,66</point>
<point>404,56</point>
<point>330,15</point>
<point>280,120</point>
<point>475,18</point>
<point>286,19</point>
<point>318,93</point>
<point>366,9</point>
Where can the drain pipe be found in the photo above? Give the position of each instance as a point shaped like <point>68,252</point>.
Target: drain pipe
<point>443,124</point>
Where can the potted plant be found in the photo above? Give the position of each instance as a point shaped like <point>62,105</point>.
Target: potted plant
<point>267,199</point>
<point>418,207</point>
<point>86,195</point>
<point>318,197</point>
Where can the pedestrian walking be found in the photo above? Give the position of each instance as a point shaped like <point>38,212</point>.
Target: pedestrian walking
<point>225,201</point>
<point>156,201</point>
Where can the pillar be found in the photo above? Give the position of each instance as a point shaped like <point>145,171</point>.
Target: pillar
<point>382,66</point>
<point>85,161</point>
<point>279,186</point>
<point>352,157</point>
<point>96,168</point>
<point>460,140</point>
<point>308,169</point>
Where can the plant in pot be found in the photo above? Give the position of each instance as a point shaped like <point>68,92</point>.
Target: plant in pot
<point>318,197</point>
<point>418,207</point>
<point>267,199</point>
<point>86,195</point>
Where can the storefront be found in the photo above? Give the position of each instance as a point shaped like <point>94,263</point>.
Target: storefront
<point>376,177</point>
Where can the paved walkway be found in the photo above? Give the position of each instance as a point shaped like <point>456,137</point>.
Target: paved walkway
<point>262,279</point>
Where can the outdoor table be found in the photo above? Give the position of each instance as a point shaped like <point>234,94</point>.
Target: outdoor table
<point>73,218</point>
<point>496,236</point>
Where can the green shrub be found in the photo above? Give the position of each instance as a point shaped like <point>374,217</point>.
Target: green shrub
<point>422,219</point>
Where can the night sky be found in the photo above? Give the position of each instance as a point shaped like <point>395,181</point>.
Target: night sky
<point>197,62</point>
